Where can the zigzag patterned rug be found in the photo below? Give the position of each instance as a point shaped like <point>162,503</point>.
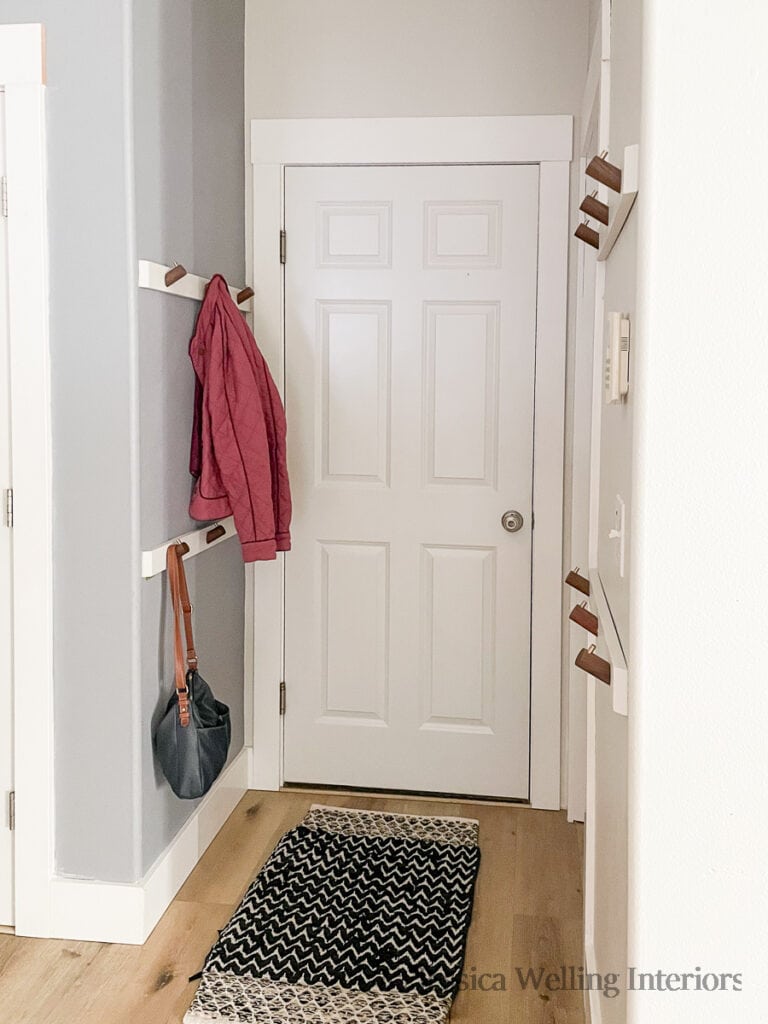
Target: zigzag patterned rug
<point>358,917</point>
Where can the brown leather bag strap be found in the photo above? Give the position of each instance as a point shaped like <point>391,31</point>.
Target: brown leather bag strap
<point>182,608</point>
<point>186,607</point>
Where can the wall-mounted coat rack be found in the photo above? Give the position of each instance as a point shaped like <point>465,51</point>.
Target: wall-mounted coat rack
<point>176,281</point>
<point>153,562</point>
<point>621,180</point>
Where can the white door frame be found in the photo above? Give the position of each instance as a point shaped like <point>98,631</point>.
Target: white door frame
<point>22,76</point>
<point>545,140</point>
<point>585,458</point>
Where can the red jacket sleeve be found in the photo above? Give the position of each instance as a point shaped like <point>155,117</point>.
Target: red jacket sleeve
<point>242,428</point>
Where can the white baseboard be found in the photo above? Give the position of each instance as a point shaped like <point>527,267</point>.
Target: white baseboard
<point>112,912</point>
<point>593,1009</point>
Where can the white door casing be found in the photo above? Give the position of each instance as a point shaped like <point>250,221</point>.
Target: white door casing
<point>6,584</point>
<point>495,140</point>
<point>410,349</point>
<point>22,74</point>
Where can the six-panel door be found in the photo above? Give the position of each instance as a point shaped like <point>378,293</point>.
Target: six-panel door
<point>410,347</point>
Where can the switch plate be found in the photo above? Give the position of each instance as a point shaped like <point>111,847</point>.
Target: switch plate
<point>616,369</point>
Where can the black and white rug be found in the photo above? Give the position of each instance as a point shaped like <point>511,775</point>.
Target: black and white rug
<point>358,917</point>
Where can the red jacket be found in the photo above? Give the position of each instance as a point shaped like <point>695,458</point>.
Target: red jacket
<point>238,434</point>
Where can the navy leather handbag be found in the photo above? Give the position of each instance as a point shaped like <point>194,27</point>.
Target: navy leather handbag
<point>192,739</point>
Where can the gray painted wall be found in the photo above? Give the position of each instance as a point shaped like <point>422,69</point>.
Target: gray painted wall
<point>94,488</point>
<point>187,95</point>
<point>188,152</point>
<point>122,387</point>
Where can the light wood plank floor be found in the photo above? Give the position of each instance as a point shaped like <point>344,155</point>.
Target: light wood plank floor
<point>528,913</point>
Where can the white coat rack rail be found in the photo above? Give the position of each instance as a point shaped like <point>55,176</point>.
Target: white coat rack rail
<point>190,286</point>
<point>607,628</point>
<point>153,562</point>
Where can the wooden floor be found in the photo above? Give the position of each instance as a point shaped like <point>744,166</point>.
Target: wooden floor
<point>528,913</point>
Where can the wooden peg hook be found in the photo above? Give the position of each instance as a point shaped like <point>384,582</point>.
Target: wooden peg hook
<point>592,663</point>
<point>606,173</point>
<point>592,206</point>
<point>587,234</point>
<point>214,533</point>
<point>244,295</point>
<point>174,274</point>
<point>578,582</point>
<point>583,617</point>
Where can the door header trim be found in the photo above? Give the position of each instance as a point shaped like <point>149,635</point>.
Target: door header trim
<point>412,140</point>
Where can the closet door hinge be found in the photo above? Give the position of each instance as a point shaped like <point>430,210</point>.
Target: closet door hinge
<point>4,195</point>
<point>282,246</point>
<point>8,506</point>
<point>12,811</point>
<point>282,697</point>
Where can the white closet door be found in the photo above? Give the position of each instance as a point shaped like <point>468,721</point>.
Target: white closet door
<point>6,569</point>
<point>410,346</point>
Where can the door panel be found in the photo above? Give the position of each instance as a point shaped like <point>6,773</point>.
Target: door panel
<point>354,634</point>
<point>354,402</point>
<point>462,343</point>
<point>410,350</point>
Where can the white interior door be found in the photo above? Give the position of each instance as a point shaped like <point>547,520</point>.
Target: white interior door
<point>410,298</point>
<point>6,567</point>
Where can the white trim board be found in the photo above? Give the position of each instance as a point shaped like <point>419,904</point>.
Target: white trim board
<point>22,77</point>
<point>412,140</point>
<point>589,273</point>
<point>22,55</point>
<point>592,996</point>
<point>112,912</point>
<point>440,140</point>
<point>608,632</point>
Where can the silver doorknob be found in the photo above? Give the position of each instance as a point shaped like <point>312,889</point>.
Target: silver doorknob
<point>512,521</point>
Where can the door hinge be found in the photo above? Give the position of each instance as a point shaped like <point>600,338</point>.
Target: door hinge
<point>8,506</point>
<point>4,195</point>
<point>12,811</point>
<point>282,246</point>
<point>282,697</point>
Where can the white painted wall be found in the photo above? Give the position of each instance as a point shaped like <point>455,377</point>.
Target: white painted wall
<point>404,58</point>
<point>365,58</point>
<point>616,424</point>
<point>620,296</point>
<point>605,889</point>
<point>698,841</point>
